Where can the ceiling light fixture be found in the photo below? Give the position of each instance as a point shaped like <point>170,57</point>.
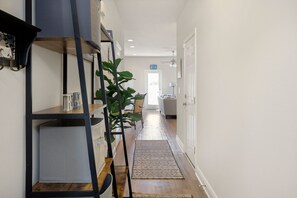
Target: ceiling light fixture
<point>132,46</point>
<point>130,40</point>
<point>172,62</point>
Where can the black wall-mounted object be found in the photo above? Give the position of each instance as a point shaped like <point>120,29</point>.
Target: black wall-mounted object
<point>24,34</point>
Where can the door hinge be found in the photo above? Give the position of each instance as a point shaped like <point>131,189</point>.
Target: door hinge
<point>194,150</point>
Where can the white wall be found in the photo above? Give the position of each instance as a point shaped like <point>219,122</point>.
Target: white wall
<point>112,21</point>
<point>247,93</point>
<point>138,66</point>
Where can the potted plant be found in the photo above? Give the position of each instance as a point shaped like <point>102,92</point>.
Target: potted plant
<point>127,98</point>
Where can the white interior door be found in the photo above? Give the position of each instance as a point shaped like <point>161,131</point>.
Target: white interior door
<point>153,79</point>
<point>190,96</point>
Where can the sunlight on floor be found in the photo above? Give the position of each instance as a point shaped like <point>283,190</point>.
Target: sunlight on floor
<point>153,128</point>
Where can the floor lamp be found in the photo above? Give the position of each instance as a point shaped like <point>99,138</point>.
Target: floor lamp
<point>172,84</point>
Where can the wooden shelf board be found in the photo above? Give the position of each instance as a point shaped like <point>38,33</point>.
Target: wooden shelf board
<point>104,171</point>
<point>59,110</point>
<point>105,37</point>
<point>66,45</point>
<point>59,187</point>
<point>121,176</point>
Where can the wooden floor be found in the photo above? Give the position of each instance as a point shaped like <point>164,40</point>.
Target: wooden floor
<point>156,127</point>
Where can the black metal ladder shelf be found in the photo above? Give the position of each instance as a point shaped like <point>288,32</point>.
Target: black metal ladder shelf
<point>68,189</point>
<point>122,171</point>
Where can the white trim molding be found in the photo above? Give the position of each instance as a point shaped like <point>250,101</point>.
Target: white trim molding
<point>190,128</point>
<point>180,143</point>
<point>205,184</point>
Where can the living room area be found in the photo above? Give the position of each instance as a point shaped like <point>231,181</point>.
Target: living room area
<point>158,82</point>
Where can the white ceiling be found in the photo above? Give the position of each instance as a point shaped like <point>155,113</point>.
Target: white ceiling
<point>151,24</point>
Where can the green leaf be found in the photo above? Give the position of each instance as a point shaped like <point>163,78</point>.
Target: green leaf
<point>112,138</point>
<point>108,66</point>
<point>112,88</point>
<point>107,79</point>
<point>125,75</point>
<point>114,110</point>
<point>123,81</point>
<point>117,62</point>
<point>134,116</point>
<point>99,94</point>
<point>130,90</point>
<point>97,73</point>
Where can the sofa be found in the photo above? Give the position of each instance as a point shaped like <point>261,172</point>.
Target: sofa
<point>167,105</point>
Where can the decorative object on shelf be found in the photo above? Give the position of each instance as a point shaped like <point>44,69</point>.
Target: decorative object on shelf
<point>76,100</point>
<point>67,102</point>
<point>129,118</point>
<point>71,101</point>
<point>18,36</point>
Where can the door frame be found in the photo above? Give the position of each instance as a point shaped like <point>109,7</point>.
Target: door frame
<point>192,34</point>
<point>146,87</point>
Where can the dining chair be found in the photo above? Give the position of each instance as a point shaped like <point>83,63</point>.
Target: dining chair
<point>138,106</point>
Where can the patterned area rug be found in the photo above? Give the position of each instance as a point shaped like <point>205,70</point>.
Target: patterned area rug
<point>140,195</point>
<point>153,159</point>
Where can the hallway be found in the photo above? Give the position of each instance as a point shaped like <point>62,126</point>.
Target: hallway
<point>156,127</point>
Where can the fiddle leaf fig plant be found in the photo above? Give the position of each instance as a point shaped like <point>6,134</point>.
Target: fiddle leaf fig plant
<point>129,118</point>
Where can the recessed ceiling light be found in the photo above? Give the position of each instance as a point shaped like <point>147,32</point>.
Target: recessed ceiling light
<point>132,46</point>
<point>130,40</point>
<point>134,54</point>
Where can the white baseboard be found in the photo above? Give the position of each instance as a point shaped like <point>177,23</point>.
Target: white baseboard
<point>200,176</point>
<point>180,143</point>
<point>205,184</point>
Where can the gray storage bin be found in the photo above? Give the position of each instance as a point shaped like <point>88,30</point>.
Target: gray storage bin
<point>63,154</point>
<point>55,19</point>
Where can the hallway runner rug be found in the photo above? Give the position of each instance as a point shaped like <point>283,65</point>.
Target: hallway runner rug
<point>140,195</point>
<point>153,159</point>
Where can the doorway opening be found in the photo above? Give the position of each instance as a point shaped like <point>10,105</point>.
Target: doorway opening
<point>152,89</point>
